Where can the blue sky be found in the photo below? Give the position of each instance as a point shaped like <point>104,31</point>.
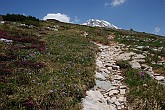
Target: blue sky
<point>140,15</point>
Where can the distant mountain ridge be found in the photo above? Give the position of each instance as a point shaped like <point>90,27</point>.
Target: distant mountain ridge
<point>100,23</point>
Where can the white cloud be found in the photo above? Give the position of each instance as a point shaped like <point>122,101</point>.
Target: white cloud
<point>117,2</point>
<point>57,16</point>
<point>76,19</point>
<point>157,29</point>
<point>107,4</point>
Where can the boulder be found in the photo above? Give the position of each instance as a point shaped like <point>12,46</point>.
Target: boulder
<point>159,78</point>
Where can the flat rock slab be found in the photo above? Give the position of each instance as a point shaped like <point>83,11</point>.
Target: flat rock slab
<point>99,76</point>
<point>159,78</point>
<point>123,87</point>
<point>122,99</point>
<point>105,74</point>
<point>125,56</point>
<point>99,64</point>
<point>94,101</point>
<point>139,56</point>
<point>103,84</point>
<point>122,91</point>
<point>135,64</point>
<point>118,77</point>
<point>113,92</point>
<point>111,100</point>
<point>112,107</point>
<point>112,88</point>
<point>95,95</point>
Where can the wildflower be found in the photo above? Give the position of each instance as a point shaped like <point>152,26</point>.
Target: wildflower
<point>63,84</point>
<point>142,74</point>
<point>30,102</point>
<point>37,65</point>
<point>65,73</point>
<point>50,91</point>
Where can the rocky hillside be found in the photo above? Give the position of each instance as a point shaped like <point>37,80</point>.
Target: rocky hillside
<point>61,66</point>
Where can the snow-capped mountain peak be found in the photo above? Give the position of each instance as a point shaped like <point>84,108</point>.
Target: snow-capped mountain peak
<point>99,23</point>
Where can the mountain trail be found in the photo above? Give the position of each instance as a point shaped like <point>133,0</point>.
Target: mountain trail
<point>109,91</point>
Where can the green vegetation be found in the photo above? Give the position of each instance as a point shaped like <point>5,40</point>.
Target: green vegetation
<point>46,69</point>
<point>144,93</point>
<point>51,64</point>
<point>29,20</point>
<point>1,19</point>
<point>152,46</point>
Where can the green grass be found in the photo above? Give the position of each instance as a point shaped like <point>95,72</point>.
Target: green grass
<point>67,70</point>
<point>144,92</point>
<point>71,61</point>
<point>67,73</point>
<point>149,42</point>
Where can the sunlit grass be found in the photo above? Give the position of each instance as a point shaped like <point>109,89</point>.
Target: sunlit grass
<point>53,69</point>
<point>144,92</point>
<point>67,71</point>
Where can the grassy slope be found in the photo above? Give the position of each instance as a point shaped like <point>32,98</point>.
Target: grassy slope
<point>67,73</point>
<point>68,69</point>
<point>144,92</point>
<point>151,45</point>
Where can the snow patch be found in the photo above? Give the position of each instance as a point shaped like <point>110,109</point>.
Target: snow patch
<point>99,23</point>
